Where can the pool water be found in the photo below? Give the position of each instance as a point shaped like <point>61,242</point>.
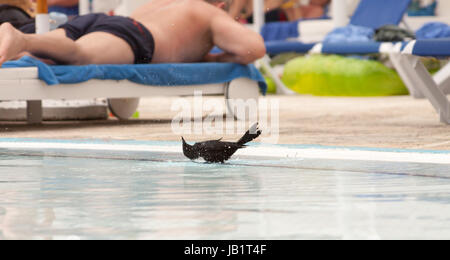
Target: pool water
<point>99,195</point>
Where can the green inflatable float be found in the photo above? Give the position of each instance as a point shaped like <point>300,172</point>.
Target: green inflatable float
<point>341,76</point>
<point>271,87</point>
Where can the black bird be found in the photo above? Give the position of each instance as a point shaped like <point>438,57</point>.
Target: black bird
<point>217,151</point>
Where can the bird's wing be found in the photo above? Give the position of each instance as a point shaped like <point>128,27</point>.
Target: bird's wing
<point>217,146</point>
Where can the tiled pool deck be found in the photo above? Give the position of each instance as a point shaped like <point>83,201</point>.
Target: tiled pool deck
<point>387,122</point>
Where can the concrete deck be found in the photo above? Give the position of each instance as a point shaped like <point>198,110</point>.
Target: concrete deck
<point>387,122</point>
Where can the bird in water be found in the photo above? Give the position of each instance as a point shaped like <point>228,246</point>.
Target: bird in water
<point>217,151</point>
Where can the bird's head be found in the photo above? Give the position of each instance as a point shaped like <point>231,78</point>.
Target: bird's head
<point>189,150</point>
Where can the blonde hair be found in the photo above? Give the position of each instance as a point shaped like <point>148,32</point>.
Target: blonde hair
<point>26,5</point>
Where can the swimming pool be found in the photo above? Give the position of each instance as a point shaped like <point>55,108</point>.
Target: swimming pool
<point>89,189</point>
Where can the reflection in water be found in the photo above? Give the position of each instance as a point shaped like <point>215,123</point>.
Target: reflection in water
<point>81,198</point>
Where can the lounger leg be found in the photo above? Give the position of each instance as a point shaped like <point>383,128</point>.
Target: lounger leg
<point>242,99</point>
<point>425,83</point>
<point>123,108</point>
<point>406,73</point>
<point>442,78</point>
<point>281,88</point>
<point>34,111</point>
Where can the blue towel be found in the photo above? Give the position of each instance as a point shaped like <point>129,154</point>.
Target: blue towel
<point>433,30</point>
<point>147,74</point>
<point>350,33</point>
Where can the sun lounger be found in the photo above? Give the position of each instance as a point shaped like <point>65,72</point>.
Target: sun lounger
<point>404,55</point>
<point>405,58</point>
<point>369,13</point>
<point>28,79</point>
<point>123,85</point>
<point>417,78</point>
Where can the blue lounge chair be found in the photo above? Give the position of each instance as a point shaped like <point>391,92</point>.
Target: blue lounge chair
<point>404,55</point>
<point>369,13</point>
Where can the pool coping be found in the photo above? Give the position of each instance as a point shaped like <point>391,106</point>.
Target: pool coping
<point>255,150</point>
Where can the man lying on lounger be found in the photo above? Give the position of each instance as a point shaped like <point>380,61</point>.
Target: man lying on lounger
<point>162,31</point>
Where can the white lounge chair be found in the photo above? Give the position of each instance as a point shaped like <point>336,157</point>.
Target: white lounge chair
<point>419,80</point>
<point>123,95</point>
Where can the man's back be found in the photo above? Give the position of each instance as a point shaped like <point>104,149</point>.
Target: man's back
<point>183,29</point>
<point>180,33</point>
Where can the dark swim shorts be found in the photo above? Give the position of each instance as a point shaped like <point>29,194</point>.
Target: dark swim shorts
<point>135,34</point>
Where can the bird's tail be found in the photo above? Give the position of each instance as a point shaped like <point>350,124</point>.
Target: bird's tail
<point>251,135</point>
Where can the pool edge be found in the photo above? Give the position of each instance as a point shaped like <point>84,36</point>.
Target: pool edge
<point>256,150</point>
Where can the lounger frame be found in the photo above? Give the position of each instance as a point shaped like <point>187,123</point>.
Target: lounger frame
<point>422,84</point>
<point>123,96</point>
<point>410,68</point>
<point>23,84</point>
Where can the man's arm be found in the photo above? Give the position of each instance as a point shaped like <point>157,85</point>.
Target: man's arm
<point>240,44</point>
